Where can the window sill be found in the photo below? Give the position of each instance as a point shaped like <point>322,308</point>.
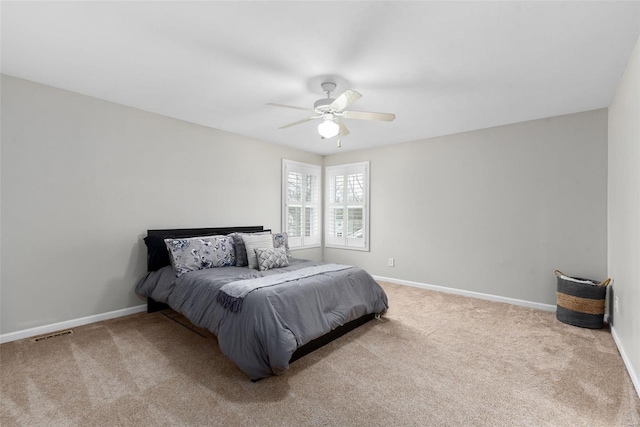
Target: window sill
<point>295,248</point>
<point>349,248</point>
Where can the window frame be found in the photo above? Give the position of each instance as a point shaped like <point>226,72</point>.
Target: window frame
<point>306,169</point>
<point>344,170</point>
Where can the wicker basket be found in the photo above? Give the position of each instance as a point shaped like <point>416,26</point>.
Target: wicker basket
<point>581,304</point>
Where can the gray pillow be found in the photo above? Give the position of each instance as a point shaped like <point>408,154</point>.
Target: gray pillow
<point>241,251</point>
<point>271,258</point>
<point>253,242</point>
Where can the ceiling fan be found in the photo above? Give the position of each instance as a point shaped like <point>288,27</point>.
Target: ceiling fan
<point>332,111</point>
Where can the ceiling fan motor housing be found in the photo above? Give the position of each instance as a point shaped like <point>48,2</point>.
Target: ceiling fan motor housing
<point>323,105</point>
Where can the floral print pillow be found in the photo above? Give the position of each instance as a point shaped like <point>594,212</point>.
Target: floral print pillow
<point>198,253</point>
<point>281,240</point>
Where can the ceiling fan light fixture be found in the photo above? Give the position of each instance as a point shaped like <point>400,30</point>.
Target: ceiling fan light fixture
<point>328,128</point>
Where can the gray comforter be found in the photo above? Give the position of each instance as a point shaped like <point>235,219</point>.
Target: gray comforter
<point>274,321</point>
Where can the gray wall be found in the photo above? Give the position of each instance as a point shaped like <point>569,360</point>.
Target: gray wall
<point>82,181</point>
<point>493,211</point>
<point>624,213</point>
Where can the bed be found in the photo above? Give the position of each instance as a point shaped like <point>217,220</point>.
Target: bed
<point>287,313</point>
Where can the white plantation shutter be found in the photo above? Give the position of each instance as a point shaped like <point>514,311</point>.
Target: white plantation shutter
<point>347,210</point>
<point>301,203</point>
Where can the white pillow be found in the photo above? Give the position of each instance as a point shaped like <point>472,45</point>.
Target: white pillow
<point>253,242</point>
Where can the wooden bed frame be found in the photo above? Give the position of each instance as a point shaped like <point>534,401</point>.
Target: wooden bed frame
<point>153,306</point>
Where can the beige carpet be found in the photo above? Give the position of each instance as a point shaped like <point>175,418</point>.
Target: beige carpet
<point>434,360</point>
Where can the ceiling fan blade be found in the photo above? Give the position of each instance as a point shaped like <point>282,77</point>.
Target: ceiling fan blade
<point>298,122</point>
<point>289,106</point>
<point>366,115</point>
<point>343,128</point>
<point>347,98</point>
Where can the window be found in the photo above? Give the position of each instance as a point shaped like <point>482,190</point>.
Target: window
<point>301,203</point>
<point>347,210</point>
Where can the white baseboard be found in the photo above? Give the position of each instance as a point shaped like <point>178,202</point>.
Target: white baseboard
<point>45,329</point>
<point>514,301</point>
<point>632,373</point>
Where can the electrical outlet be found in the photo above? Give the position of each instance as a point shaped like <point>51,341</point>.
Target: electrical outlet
<point>392,262</point>
<point>616,307</point>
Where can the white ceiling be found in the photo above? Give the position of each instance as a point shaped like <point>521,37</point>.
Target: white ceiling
<point>441,67</point>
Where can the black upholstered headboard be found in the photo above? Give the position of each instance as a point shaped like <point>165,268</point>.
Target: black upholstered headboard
<point>157,254</point>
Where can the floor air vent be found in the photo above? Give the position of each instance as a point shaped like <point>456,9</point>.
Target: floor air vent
<point>52,335</point>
